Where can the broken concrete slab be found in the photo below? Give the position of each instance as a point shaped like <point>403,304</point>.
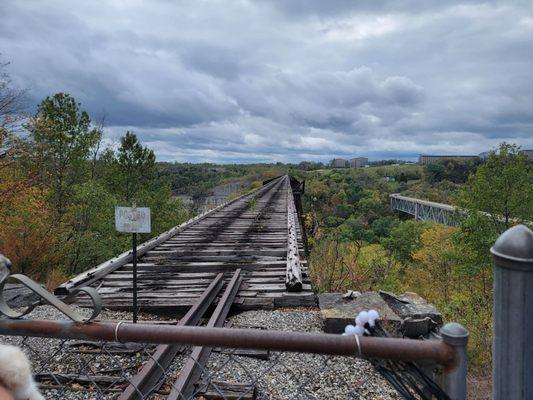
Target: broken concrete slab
<point>338,311</point>
<point>419,317</point>
<point>411,305</point>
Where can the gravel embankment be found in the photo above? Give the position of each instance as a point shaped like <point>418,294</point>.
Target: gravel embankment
<point>282,376</point>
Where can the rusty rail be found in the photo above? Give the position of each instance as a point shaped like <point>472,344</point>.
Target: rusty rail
<point>388,348</point>
<point>149,376</point>
<point>192,370</point>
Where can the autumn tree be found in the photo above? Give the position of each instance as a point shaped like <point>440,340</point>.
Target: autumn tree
<point>61,138</point>
<point>437,257</point>
<point>26,235</point>
<point>12,105</point>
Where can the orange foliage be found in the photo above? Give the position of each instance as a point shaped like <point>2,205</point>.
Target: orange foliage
<point>26,235</point>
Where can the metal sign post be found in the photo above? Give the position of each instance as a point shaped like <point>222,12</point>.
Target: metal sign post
<point>134,260</point>
<point>133,220</point>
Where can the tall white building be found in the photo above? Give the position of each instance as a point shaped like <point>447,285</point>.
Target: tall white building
<point>358,162</point>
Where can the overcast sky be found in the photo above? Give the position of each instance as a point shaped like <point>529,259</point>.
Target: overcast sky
<point>246,81</point>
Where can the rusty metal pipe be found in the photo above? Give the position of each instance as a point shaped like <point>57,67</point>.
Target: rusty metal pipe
<point>372,347</point>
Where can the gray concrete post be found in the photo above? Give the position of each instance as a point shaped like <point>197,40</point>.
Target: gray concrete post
<point>512,350</point>
<point>454,379</point>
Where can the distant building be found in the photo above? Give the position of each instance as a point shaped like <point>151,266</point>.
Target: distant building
<point>340,163</point>
<point>528,153</point>
<point>425,159</point>
<point>358,162</point>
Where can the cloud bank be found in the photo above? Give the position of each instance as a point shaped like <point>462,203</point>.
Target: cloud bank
<point>249,81</point>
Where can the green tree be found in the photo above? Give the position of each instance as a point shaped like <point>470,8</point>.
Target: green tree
<point>134,168</point>
<point>93,238</point>
<point>382,226</point>
<point>61,139</point>
<point>497,196</point>
<point>404,240</point>
<point>434,172</point>
<point>502,187</point>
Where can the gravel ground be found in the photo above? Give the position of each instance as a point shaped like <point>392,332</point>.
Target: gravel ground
<point>297,375</point>
<point>58,356</point>
<point>282,376</point>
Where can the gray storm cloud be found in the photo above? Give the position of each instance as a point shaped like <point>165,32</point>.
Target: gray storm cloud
<point>247,81</point>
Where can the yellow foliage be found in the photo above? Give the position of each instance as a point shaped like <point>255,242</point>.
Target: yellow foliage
<point>437,258</point>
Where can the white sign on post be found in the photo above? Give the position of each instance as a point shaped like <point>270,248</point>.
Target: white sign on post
<point>132,219</point>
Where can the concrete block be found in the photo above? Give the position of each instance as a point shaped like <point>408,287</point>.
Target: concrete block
<point>338,311</point>
<point>419,317</point>
<point>411,305</point>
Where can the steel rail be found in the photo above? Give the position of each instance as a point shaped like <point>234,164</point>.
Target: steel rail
<point>192,370</point>
<point>145,381</point>
<point>387,348</point>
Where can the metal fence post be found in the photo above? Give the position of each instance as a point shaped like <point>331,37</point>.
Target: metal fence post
<point>455,335</point>
<point>512,350</point>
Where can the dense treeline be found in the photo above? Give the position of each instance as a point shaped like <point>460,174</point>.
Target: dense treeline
<point>358,243</point>
<point>198,179</point>
<point>59,190</point>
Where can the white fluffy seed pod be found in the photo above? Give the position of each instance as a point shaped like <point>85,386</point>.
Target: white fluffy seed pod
<point>350,330</point>
<point>372,317</point>
<point>363,318</point>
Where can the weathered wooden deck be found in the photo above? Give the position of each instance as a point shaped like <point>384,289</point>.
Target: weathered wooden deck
<point>250,233</point>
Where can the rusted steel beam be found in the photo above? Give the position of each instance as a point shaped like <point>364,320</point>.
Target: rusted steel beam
<point>293,279</point>
<point>144,382</point>
<point>300,342</point>
<point>192,370</point>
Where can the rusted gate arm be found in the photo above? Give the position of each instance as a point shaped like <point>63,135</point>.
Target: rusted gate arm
<point>301,342</point>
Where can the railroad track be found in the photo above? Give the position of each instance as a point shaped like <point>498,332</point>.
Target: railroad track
<point>250,233</point>
<point>243,255</point>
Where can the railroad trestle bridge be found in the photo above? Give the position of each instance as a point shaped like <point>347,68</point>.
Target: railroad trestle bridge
<point>424,210</point>
<point>258,234</point>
